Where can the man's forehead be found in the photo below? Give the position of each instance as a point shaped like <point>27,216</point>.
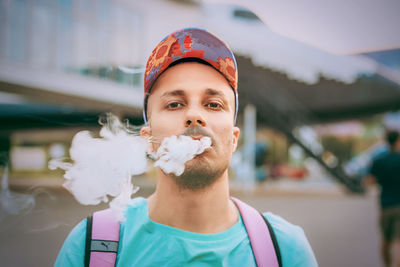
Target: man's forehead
<point>184,92</point>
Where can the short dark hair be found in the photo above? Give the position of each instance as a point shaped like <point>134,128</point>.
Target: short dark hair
<point>392,137</point>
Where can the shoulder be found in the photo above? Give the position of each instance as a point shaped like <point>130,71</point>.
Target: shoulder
<point>382,158</point>
<point>376,163</point>
<point>137,202</point>
<point>292,241</point>
<point>136,208</point>
<point>381,162</point>
<point>72,252</point>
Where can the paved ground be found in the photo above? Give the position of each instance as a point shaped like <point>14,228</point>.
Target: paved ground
<point>342,229</point>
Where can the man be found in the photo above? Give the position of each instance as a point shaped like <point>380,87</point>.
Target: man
<point>190,220</point>
<point>385,171</point>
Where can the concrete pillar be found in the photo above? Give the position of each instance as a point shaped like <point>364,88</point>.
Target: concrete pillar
<point>249,147</point>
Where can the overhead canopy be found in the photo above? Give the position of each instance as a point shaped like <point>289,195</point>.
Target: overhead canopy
<point>281,101</point>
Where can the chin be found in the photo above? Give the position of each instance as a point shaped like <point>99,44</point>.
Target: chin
<point>197,178</point>
<point>200,173</point>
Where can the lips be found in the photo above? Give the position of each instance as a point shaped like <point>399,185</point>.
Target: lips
<point>196,137</point>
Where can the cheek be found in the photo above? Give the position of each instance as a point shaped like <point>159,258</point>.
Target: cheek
<point>225,136</point>
<point>162,126</point>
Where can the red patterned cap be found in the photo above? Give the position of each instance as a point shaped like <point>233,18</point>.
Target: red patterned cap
<point>191,43</point>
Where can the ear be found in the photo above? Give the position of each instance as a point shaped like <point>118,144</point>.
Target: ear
<point>235,139</point>
<point>145,132</point>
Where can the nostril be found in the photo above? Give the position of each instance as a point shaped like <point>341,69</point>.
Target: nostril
<point>195,122</point>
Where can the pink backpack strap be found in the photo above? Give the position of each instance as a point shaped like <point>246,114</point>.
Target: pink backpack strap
<point>102,237</point>
<point>261,235</point>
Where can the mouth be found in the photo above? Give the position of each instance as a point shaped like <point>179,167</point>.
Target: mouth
<point>196,137</point>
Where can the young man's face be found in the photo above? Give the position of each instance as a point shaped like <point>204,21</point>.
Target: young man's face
<point>196,100</point>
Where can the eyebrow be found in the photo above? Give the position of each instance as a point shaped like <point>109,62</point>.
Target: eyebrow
<point>180,92</point>
<point>173,93</point>
<point>214,92</point>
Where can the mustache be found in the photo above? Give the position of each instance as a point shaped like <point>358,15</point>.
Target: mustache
<point>198,130</point>
<point>191,131</point>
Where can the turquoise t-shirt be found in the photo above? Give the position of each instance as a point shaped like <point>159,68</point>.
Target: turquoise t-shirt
<point>147,243</point>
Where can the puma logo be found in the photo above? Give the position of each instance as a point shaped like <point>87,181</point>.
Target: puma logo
<point>104,244</point>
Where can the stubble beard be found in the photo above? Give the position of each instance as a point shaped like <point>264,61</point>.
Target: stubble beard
<point>199,174</point>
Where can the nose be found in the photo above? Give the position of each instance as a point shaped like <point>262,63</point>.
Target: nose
<point>194,118</point>
<point>190,123</point>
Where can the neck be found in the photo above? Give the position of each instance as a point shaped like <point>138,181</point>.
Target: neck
<point>204,211</point>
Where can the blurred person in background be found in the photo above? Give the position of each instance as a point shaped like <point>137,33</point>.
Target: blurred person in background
<point>385,171</point>
<point>191,220</point>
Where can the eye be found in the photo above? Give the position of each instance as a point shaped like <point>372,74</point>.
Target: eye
<point>174,105</point>
<point>214,105</point>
